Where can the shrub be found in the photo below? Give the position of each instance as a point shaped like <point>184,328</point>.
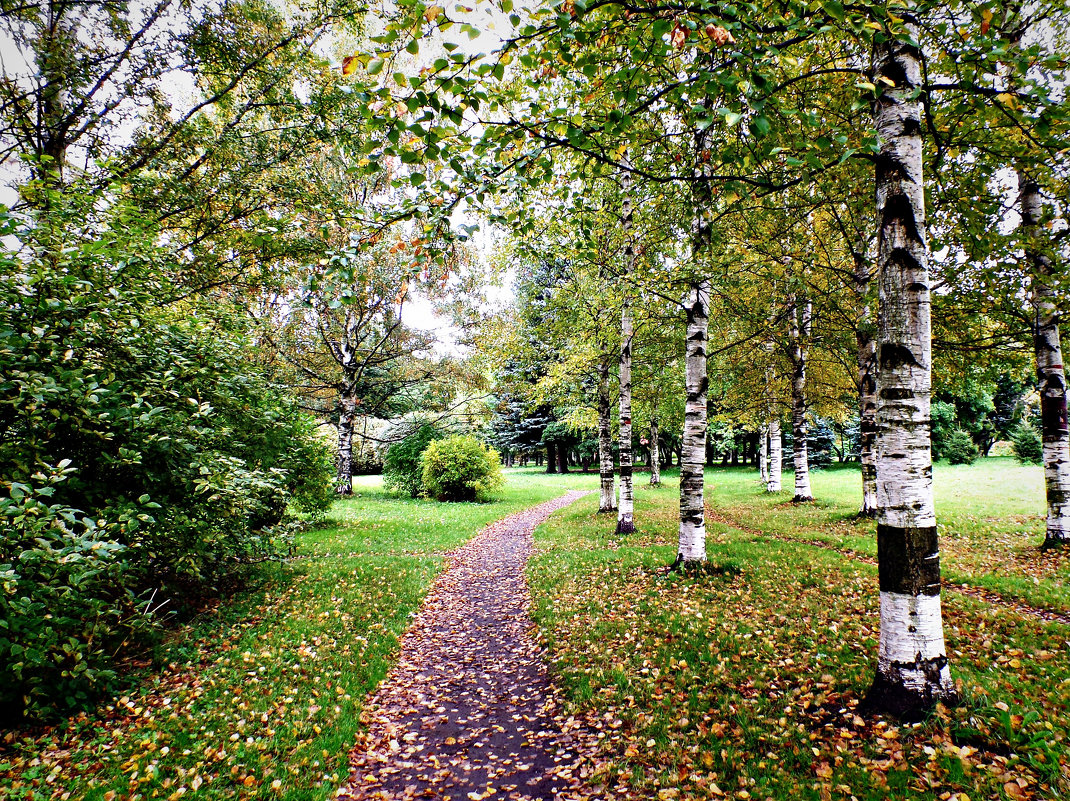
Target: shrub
<point>1027,444</point>
<point>402,466</point>
<point>942,418</point>
<point>177,462</point>
<point>959,448</point>
<point>460,468</point>
<point>67,598</point>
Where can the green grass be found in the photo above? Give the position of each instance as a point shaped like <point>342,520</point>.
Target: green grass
<point>747,683</point>
<point>262,697</point>
<point>991,518</point>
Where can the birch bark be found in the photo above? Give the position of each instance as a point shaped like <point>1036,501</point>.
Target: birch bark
<point>625,521</point>
<point>692,541</point>
<point>1051,377</point>
<point>799,333</point>
<point>776,457</point>
<point>763,453</point>
<point>912,667</point>
<point>655,451</point>
<point>607,500</point>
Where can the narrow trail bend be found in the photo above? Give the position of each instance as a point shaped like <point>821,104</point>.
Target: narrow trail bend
<point>469,711</point>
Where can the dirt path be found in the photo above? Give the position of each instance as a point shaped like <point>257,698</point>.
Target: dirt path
<point>974,592</point>
<point>469,711</point>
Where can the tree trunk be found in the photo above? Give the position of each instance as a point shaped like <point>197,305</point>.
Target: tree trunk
<point>692,542</point>
<point>625,520</point>
<point>1051,378</point>
<point>763,453</point>
<point>912,667</point>
<point>551,457</point>
<point>562,459</point>
<point>800,333</point>
<point>655,452</point>
<point>607,499</point>
<point>867,387</point>
<point>343,483</point>
<point>776,457</point>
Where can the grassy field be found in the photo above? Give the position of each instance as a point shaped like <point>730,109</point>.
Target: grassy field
<point>991,517</point>
<point>746,683</point>
<point>262,697</point>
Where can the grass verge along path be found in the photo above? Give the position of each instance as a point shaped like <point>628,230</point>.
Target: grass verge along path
<point>746,683</point>
<point>261,699</point>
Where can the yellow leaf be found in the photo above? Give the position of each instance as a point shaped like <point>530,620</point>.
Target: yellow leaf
<point>433,13</point>
<point>349,65</point>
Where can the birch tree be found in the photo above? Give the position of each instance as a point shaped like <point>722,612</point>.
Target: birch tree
<point>799,329</point>
<point>607,499</point>
<point>692,542</point>
<point>912,668</point>
<point>625,512</point>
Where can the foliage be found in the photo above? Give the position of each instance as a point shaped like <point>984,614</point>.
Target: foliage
<point>460,468</point>
<point>942,415</point>
<point>960,448</point>
<point>67,599</point>
<point>177,460</point>
<point>403,467</point>
<point>1027,444</point>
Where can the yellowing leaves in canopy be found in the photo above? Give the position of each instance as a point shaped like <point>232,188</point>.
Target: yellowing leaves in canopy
<point>718,35</point>
<point>350,64</point>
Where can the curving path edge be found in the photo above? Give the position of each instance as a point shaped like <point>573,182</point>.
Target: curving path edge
<point>469,711</point>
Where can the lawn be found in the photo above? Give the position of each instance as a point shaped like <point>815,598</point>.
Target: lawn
<point>745,682</point>
<point>991,518</point>
<point>261,697</point>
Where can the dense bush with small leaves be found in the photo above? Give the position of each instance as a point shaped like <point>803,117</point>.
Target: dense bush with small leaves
<point>1027,444</point>
<point>460,468</point>
<point>959,448</point>
<point>403,468</point>
<point>142,456</point>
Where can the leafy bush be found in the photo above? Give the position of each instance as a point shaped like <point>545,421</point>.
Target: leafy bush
<point>959,448</point>
<point>942,418</point>
<point>177,463</point>
<point>402,466</point>
<point>1027,444</point>
<point>460,468</point>
<point>66,597</point>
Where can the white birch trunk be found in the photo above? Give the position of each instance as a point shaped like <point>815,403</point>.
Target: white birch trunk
<point>912,667</point>
<point>625,519</point>
<point>776,457</point>
<point>655,452</point>
<point>692,543</point>
<point>607,500</point>
<point>799,333</point>
<point>763,454</point>
<point>1051,378</point>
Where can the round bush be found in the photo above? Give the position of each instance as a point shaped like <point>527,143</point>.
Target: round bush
<point>960,449</point>
<point>460,468</point>
<point>402,469</point>
<point>1028,447</point>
